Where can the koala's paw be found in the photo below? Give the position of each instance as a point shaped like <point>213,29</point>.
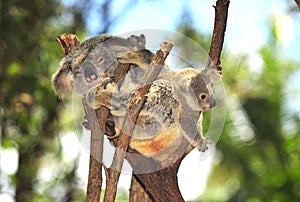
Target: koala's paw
<point>104,83</point>
<point>100,95</point>
<point>202,145</point>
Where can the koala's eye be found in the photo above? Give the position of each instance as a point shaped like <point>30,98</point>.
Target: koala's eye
<point>202,96</point>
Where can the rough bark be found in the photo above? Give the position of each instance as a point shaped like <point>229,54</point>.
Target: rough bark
<point>137,193</point>
<point>67,42</point>
<point>96,155</point>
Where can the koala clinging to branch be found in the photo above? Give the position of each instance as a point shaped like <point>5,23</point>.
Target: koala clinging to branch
<point>92,61</point>
<point>173,103</point>
<point>95,61</point>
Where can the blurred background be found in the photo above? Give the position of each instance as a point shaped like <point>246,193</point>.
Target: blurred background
<point>257,157</point>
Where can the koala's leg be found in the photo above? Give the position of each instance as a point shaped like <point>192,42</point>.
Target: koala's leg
<point>142,58</point>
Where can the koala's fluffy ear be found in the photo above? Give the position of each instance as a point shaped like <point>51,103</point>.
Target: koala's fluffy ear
<point>62,80</point>
<point>214,73</point>
<point>137,41</point>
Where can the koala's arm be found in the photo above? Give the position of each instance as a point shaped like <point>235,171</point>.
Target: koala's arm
<point>101,95</point>
<point>111,97</point>
<point>107,94</point>
<point>191,129</point>
<point>141,58</point>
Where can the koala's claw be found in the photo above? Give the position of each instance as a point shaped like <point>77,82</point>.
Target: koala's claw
<point>203,144</point>
<point>107,81</point>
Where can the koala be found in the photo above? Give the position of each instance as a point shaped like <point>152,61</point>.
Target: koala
<point>94,60</point>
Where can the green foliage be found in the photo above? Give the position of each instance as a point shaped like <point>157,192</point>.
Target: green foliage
<point>29,109</point>
<point>263,167</point>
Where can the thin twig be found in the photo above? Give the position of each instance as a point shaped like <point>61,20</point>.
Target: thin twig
<point>298,3</point>
<point>96,156</point>
<point>130,119</point>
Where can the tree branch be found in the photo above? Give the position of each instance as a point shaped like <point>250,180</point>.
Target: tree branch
<point>134,108</point>
<point>95,168</point>
<point>298,3</point>
<point>221,13</point>
<point>96,155</point>
<point>136,192</point>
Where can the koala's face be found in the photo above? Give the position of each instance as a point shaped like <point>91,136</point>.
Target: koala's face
<point>202,86</point>
<point>82,70</point>
<point>86,65</point>
<point>99,64</point>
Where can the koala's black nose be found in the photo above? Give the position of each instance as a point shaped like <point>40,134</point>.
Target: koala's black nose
<point>212,102</point>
